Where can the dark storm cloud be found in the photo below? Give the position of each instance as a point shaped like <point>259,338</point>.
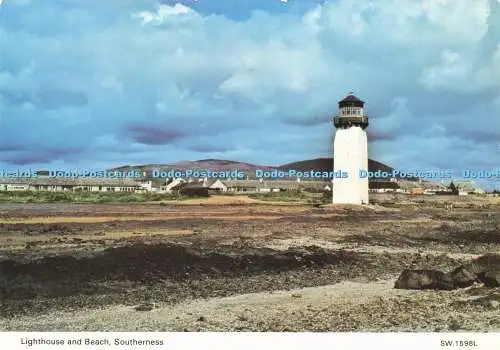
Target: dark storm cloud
<point>10,147</point>
<point>311,121</point>
<point>15,97</point>
<point>482,137</point>
<point>155,136</point>
<point>380,136</point>
<point>39,156</point>
<point>208,148</point>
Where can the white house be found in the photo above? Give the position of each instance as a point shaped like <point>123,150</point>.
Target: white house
<point>171,185</point>
<point>218,185</point>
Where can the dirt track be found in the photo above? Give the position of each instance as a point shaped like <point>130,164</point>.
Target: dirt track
<point>54,267</point>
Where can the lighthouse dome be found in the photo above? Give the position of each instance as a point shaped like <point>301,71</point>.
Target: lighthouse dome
<point>351,101</point>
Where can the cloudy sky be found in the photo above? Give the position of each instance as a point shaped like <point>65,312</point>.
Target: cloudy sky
<point>102,83</point>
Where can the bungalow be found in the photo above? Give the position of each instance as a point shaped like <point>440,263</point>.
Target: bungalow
<point>479,191</point>
<point>382,186</point>
<point>269,186</point>
<point>431,188</point>
<point>315,186</point>
<point>464,187</point>
<point>242,185</point>
<point>217,185</point>
<point>171,185</point>
<point>410,187</point>
<point>76,184</point>
<point>279,185</point>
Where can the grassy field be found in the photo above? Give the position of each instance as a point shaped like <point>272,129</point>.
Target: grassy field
<point>26,197</point>
<point>293,196</point>
<point>82,197</point>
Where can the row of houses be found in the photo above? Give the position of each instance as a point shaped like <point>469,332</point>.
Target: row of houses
<point>250,186</point>
<point>73,185</point>
<point>407,187</point>
<point>462,188</point>
<point>223,186</point>
<point>169,186</point>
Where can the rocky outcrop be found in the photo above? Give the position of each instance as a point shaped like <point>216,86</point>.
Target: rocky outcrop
<point>483,264</point>
<point>485,269</point>
<point>424,279</point>
<point>491,278</point>
<point>462,277</point>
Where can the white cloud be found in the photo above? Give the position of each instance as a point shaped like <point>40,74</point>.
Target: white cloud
<point>450,15</point>
<point>453,71</point>
<point>163,13</point>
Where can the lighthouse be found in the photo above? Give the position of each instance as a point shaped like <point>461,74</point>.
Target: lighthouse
<point>350,152</point>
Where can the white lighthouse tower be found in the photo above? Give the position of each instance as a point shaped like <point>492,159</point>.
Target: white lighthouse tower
<point>350,152</point>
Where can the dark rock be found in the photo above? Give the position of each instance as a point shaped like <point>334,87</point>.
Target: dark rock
<point>483,264</point>
<point>486,268</point>
<point>144,307</point>
<point>462,277</point>
<point>424,279</point>
<point>490,278</point>
<point>454,325</point>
